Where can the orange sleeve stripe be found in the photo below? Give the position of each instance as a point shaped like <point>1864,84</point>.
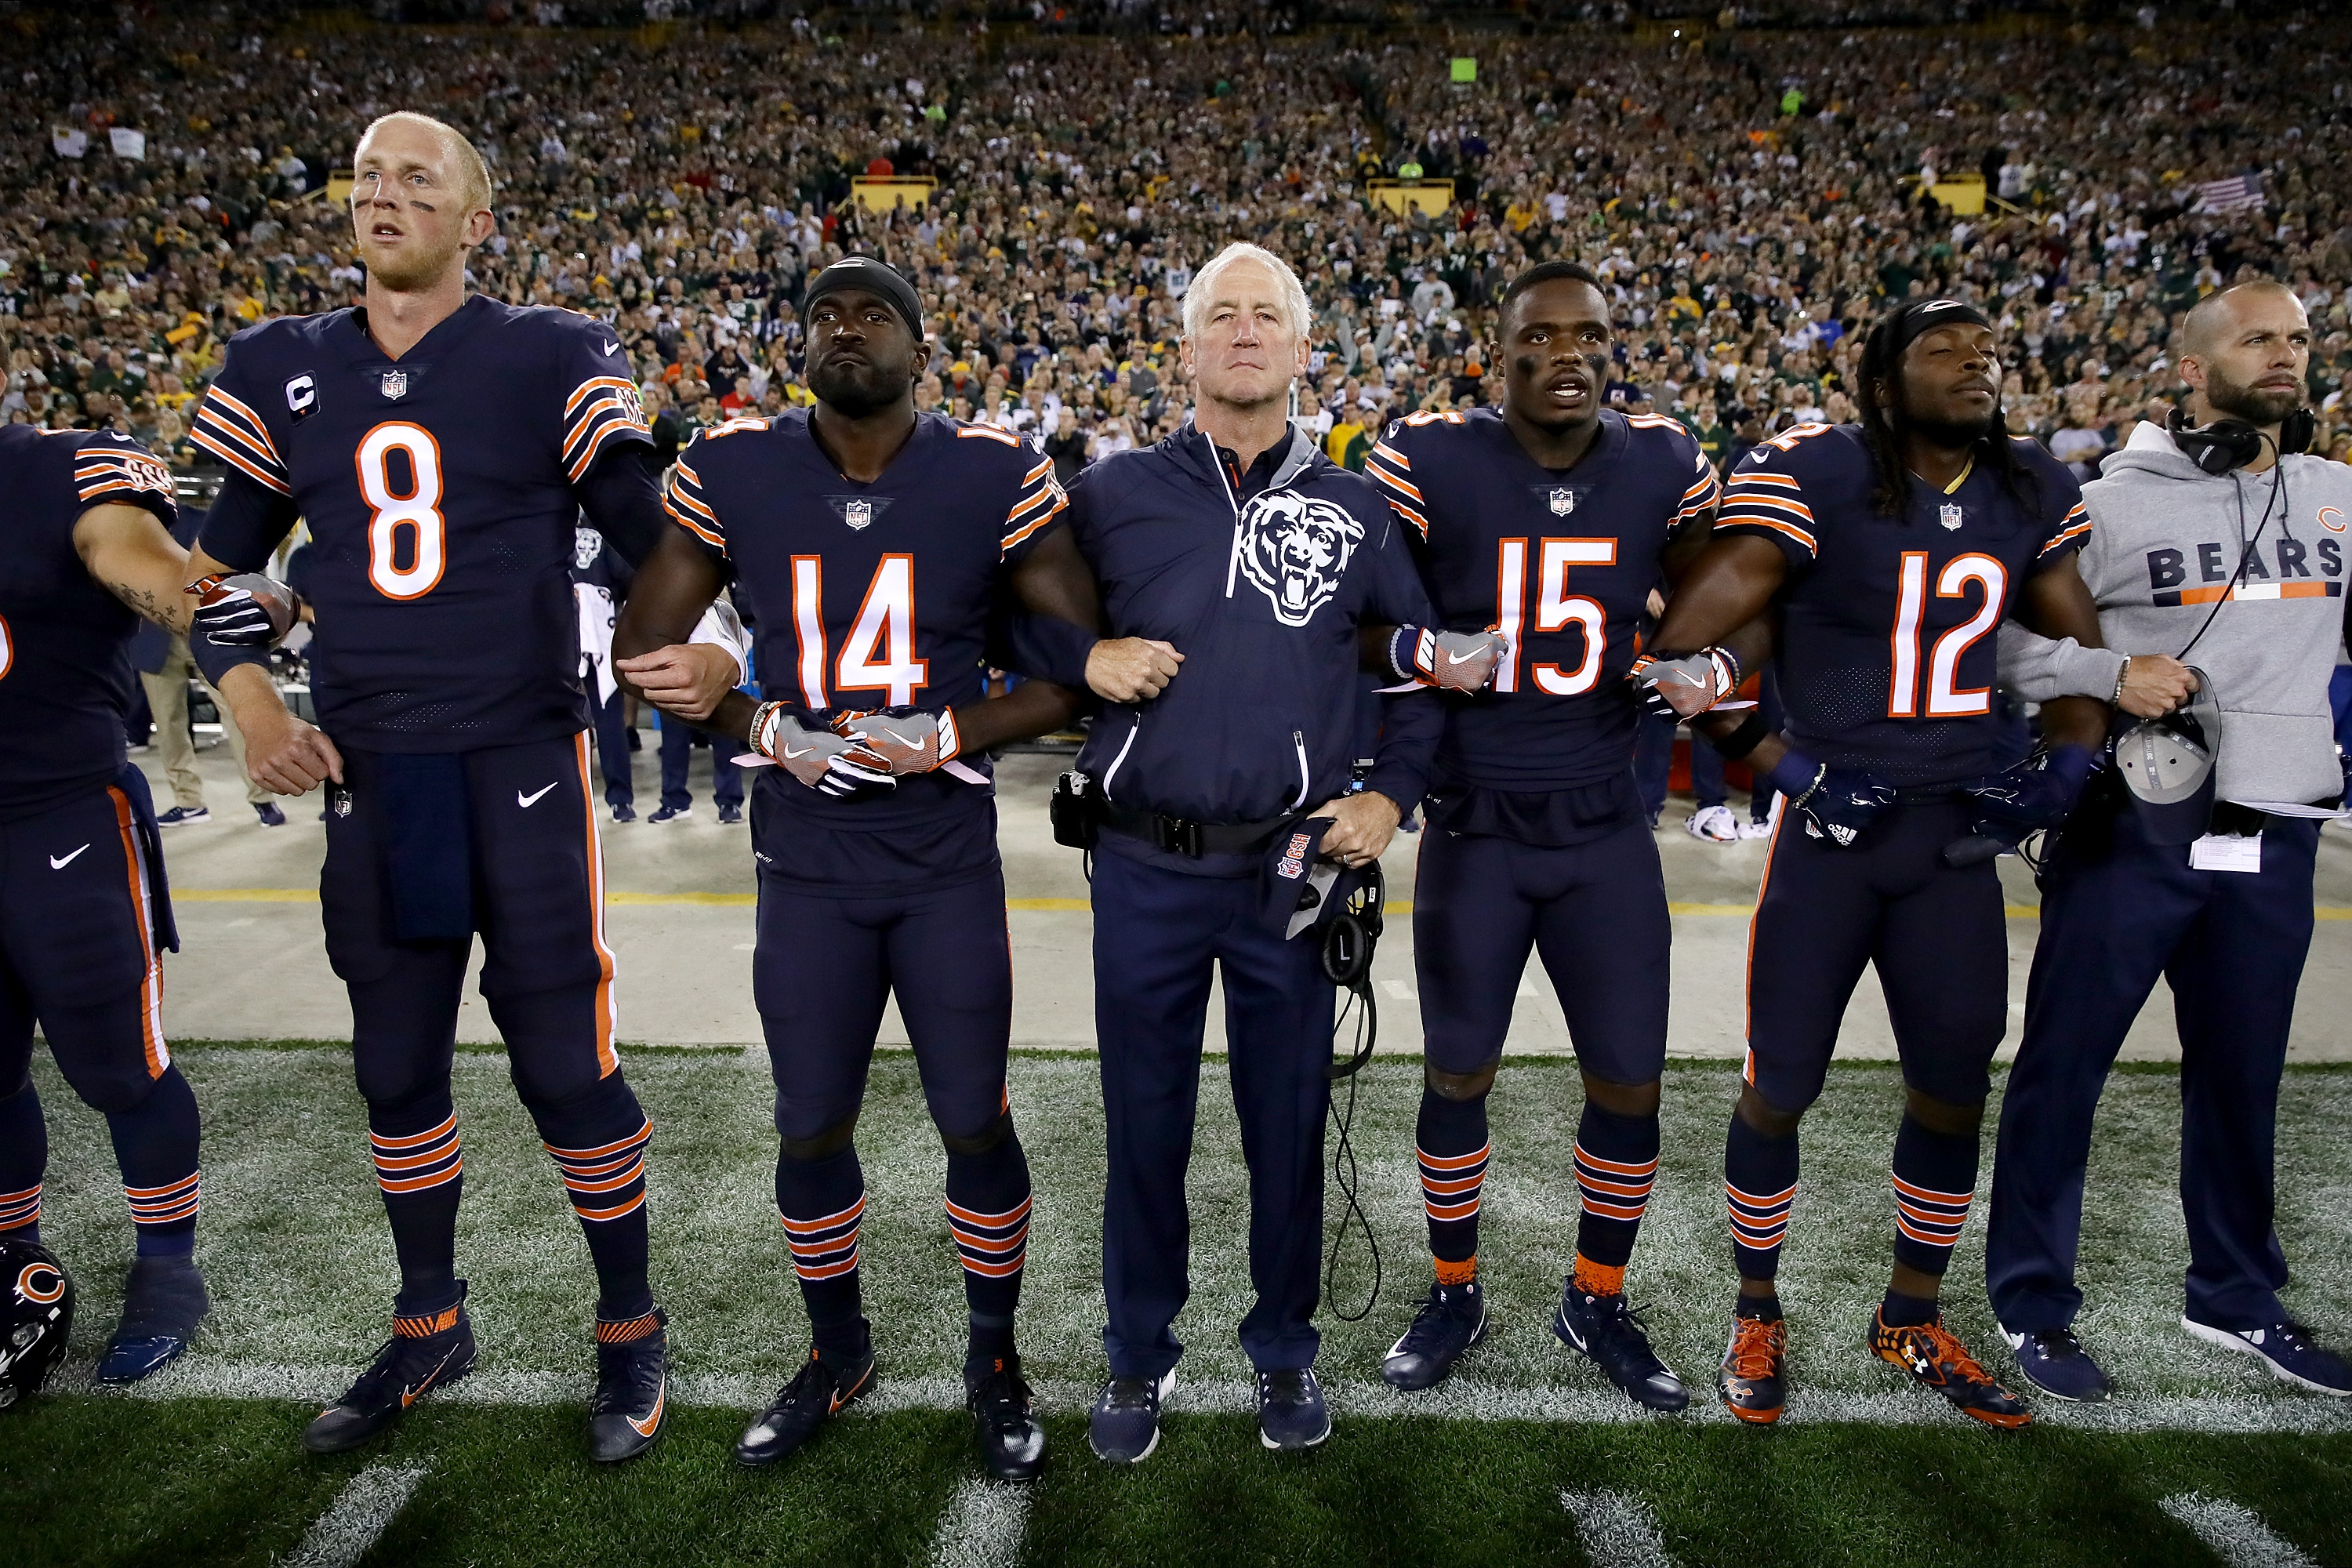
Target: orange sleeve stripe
<point>590,385</point>
<point>1783,481</point>
<point>1381,449</point>
<point>1420,524</point>
<point>235,460</point>
<point>216,395</point>
<point>210,418</point>
<point>1798,534</point>
<point>696,529</point>
<point>1791,507</point>
<point>2077,531</point>
<point>692,502</point>
<point>1384,477</point>
<point>1044,468</point>
<point>1032,500</point>
<point>1017,535</point>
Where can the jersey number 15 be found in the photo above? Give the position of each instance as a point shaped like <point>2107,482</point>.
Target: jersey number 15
<point>1555,609</point>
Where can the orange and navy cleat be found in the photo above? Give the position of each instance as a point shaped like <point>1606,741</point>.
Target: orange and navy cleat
<point>632,1400</point>
<point>1933,1355</point>
<point>1754,1377</point>
<point>818,1392</point>
<point>425,1353</point>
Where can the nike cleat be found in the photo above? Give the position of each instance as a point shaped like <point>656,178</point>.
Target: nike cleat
<point>1012,1441</point>
<point>624,813</point>
<point>1123,1426</point>
<point>1753,1380</point>
<point>182,816</point>
<point>1449,1322</point>
<point>423,1355</point>
<point>671,813</point>
<point>1934,1355</point>
<point>632,1401</point>
<point>161,1304</point>
<point>1291,1410</point>
<point>817,1393</point>
<point>2288,1348</point>
<point>2053,1361</point>
<point>1606,1331</point>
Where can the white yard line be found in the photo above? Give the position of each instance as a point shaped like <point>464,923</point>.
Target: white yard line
<point>2236,1534</point>
<point>1618,1530</point>
<point>341,1536</point>
<point>982,1526</point>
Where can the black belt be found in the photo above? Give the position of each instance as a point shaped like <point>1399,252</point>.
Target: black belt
<point>1181,835</point>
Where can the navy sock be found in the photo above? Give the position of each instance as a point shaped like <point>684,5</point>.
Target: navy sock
<point>24,1157</point>
<point>420,1169</point>
<point>1934,1180</point>
<point>1760,1182</point>
<point>598,1142</point>
<point>988,1215</point>
<point>155,1143</point>
<point>1901,1311</point>
<point>1450,1136</point>
<point>823,1203</point>
<point>1616,1162</point>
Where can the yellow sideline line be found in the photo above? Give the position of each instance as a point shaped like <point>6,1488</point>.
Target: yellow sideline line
<point>1394,906</point>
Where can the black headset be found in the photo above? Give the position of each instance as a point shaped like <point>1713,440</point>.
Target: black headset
<point>2230,444</point>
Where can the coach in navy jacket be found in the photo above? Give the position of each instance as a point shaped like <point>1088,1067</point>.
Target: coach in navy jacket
<point>1236,563</point>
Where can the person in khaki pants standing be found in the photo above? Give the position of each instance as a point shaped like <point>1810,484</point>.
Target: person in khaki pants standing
<point>167,700</point>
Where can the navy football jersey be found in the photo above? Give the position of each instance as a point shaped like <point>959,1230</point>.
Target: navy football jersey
<point>439,491</point>
<point>64,642</point>
<point>1562,561</point>
<point>874,596</point>
<point>1886,653</point>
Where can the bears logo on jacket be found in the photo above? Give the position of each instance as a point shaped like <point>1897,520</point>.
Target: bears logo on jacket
<point>1295,549</point>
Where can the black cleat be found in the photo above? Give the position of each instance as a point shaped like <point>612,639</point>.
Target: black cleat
<point>1012,1442</point>
<point>1605,1329</point>
<point>817,1393</point>
<point>1448,1323</point>
<point>632,1401</point>
<point>161,1304</point>
<point>423,1355</point>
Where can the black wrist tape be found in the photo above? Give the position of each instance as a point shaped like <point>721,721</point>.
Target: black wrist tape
<point>1750,734</point>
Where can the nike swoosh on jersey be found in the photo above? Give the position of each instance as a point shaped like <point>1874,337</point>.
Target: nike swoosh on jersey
<point>612,348</point>
<point>528,801</point>
<point>58,864</point>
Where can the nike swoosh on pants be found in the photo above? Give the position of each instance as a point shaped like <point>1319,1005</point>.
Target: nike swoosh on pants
<point>57,865</point>
<point>528,801</point>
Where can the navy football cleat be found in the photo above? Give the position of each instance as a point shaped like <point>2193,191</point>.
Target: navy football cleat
<point>1012,1442</point>
<point>1605,1329</point>
<point>632,1399</point>
<point>161,1305</point>
<point>1753,1379</point>
<point>817,1393</point>
<point>423,1355</point>
<point>1123,1426</point>
<point>2288,1348</point>
<point>2054,1361</point>
<point>1449,1322</point>
<point>1291,1412</point>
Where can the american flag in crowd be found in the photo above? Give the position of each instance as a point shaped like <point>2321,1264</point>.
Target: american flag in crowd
<point>2233,194</point>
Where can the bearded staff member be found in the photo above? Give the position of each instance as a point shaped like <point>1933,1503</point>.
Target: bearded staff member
<point>1248,560</point>
<point>2217,543</point>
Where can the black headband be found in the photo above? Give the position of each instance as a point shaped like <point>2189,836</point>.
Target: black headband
<point>876,278</point>
<point>1916,319</point>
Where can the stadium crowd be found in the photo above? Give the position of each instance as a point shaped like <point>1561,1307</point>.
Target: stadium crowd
<point>1755,198</point>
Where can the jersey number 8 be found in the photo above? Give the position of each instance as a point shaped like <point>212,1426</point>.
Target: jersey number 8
<point>417,513</point>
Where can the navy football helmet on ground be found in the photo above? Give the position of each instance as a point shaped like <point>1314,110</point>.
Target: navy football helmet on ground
<point>38,1306</point>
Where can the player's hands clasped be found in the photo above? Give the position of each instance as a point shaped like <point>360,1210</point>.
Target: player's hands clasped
<point>1838,803</point>
<point>1450,661</point>
<point>248,610</point>
<point>687,680</point>
<point>1680,688</point>
<point>898,742</point>
<point>2037,793</point>
<point>1131,670</point>
<point>814,754</point>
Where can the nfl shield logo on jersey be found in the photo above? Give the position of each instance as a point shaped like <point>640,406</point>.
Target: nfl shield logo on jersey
<point>1563,501</point>
<point>396,385</point>
<point>1949,514</point>
<point>857,513</point>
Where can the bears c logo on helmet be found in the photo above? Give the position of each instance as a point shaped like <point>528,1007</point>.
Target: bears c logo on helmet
<point>40,1282</point>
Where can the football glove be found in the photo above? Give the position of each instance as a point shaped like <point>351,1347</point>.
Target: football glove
<point>1450,661</point>
<point>817,757</point>
<point>2035,794</point>
<point>1680,688</point>
<point>1838,803</point>
<point>248,610</point>
<point>898,742</point>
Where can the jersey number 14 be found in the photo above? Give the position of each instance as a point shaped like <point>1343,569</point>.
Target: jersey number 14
<point>878,655</point>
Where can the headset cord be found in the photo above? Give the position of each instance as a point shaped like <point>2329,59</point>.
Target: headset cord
<point>2246,550</point>
<point>1344,1174</point>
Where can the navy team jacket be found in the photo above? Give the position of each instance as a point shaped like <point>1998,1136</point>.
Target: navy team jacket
<point>1261,586</point>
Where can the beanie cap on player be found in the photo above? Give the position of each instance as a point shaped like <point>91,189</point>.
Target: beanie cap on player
<point>873,277</point>
<point>1916,318</point>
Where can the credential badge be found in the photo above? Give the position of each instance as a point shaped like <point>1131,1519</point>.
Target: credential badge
<point>1563,501</point>
<point>396,385</point>
<point>857,513</point>
<point>1949,514</point>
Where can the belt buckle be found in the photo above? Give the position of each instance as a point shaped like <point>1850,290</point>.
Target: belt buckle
<point>1176,835</point>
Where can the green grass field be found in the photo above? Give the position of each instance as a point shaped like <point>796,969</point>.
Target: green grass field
<point>202,1464</point>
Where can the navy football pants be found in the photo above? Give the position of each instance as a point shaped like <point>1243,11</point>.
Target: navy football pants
<point>2232,944</point>
<point>1936,935</point>
<point>1157,935</point>
<point>1597,914</point>
<point>824,968</point>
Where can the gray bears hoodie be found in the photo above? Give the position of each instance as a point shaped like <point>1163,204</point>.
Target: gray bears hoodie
<point>2166,540</point>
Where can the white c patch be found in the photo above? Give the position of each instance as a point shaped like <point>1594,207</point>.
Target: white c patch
<point>1295,549</point>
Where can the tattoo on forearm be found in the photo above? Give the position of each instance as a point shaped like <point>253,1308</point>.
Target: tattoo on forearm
<point>171,614</point>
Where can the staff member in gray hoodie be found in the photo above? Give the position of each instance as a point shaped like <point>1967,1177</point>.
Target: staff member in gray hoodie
<point>2236,563</point>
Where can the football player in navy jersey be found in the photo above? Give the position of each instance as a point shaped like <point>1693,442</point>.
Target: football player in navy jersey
<point>878,543</point>
<point>1891,550</point>
<point>85,914</point>
<point>441,446</point>
<point>1551,522</point>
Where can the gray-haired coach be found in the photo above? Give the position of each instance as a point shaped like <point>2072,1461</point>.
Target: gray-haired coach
<point>2214,543</point>
<point>1238,563</point>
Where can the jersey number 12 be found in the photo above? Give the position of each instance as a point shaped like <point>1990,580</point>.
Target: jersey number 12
<point>1946,699</point>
